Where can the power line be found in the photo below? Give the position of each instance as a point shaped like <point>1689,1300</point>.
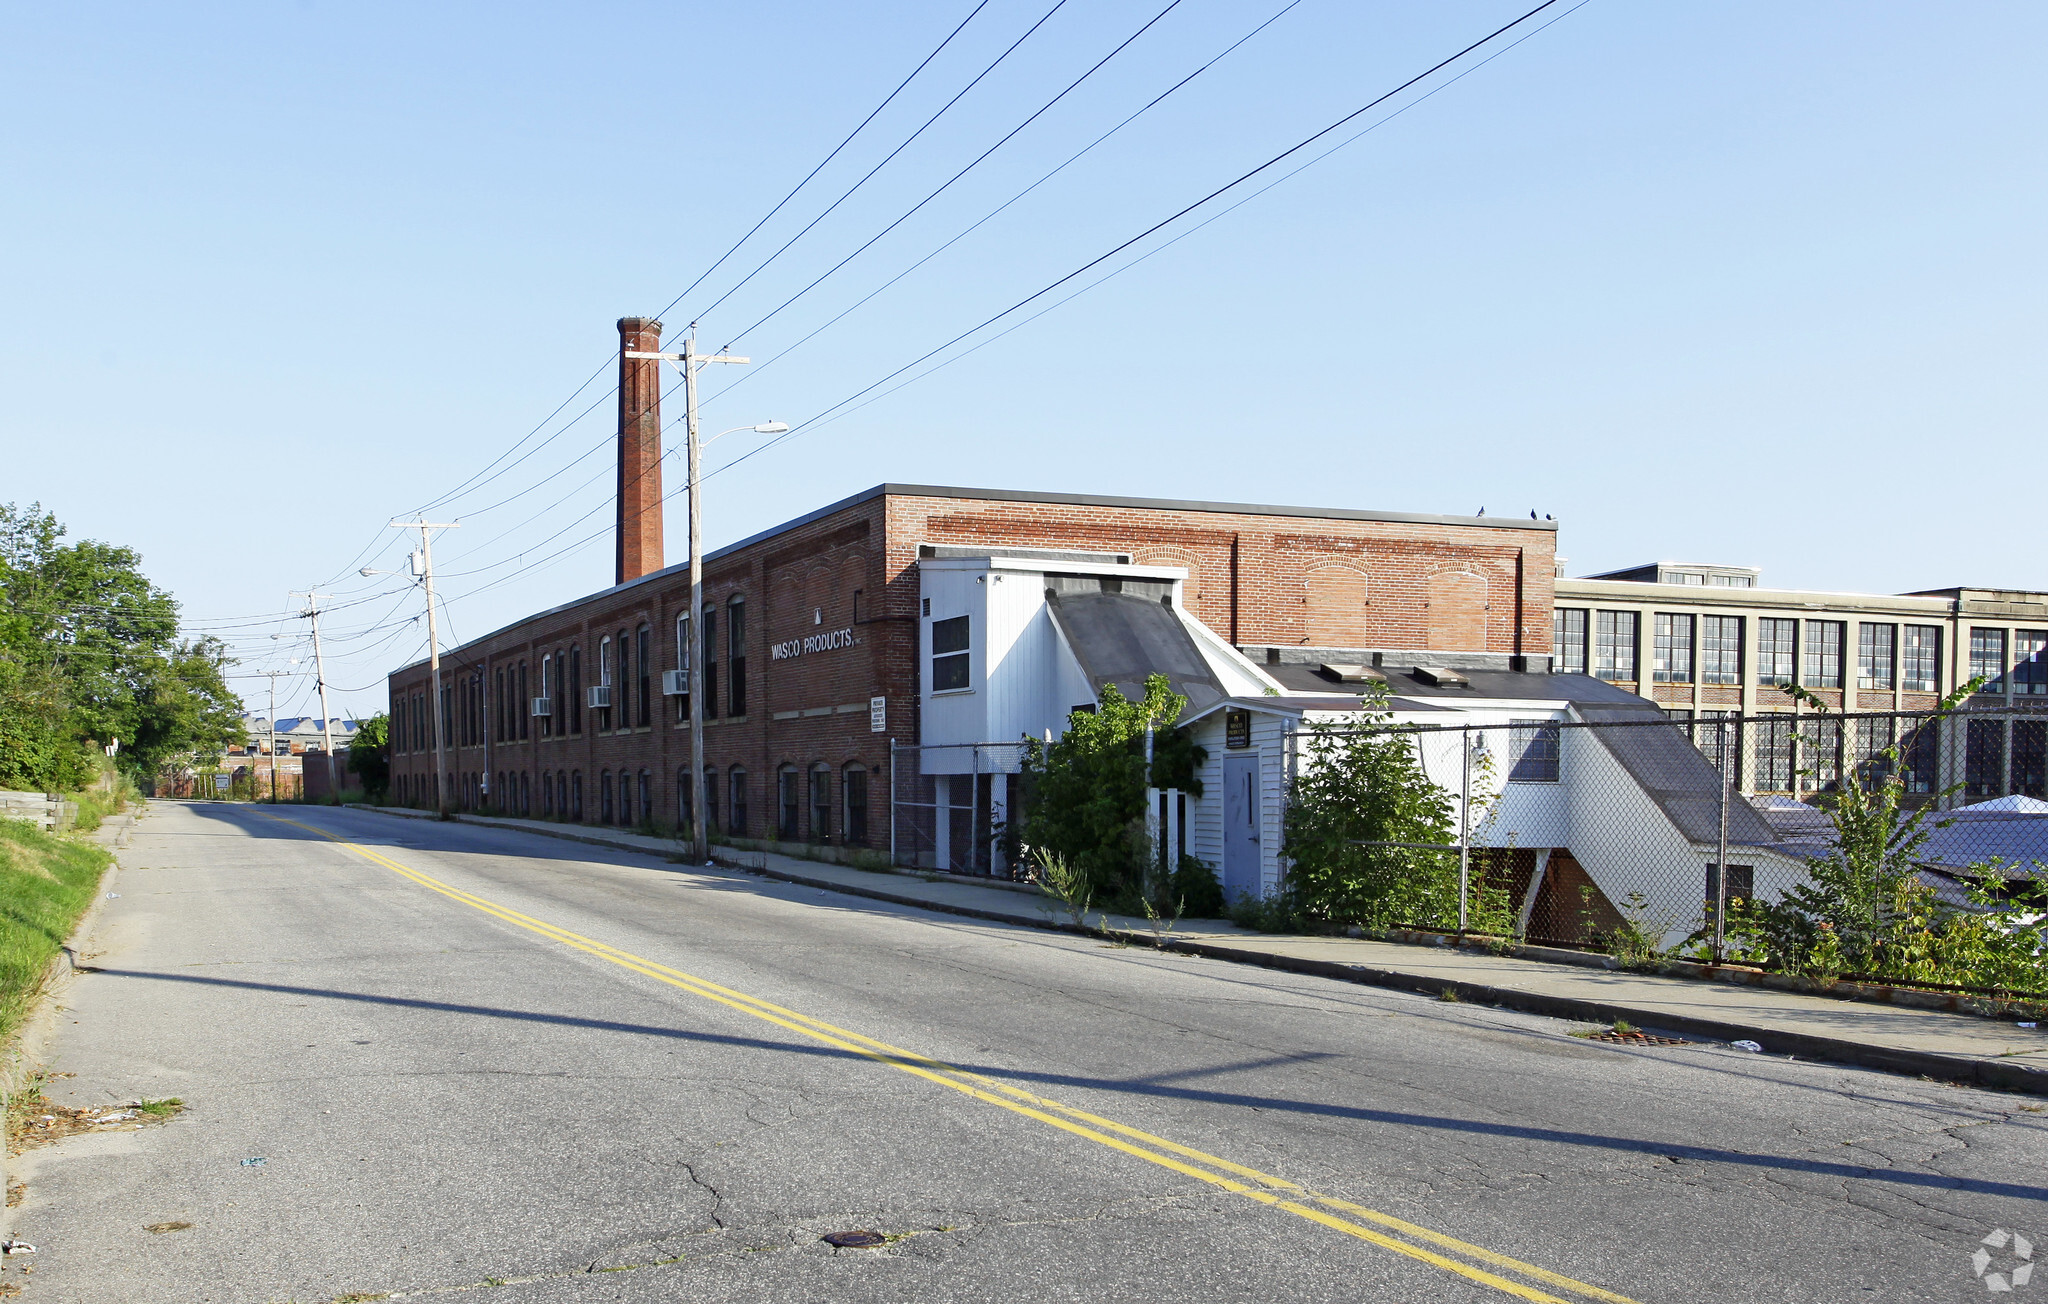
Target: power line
<point>1097,261</point>
<point>887,100</point>
<point>1057,6</point>
<point>1071,159</point>
<point>947,184</point>
<point>1163,247</point>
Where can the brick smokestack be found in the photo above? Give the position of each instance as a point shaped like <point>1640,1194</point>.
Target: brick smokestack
<point>639,496</point>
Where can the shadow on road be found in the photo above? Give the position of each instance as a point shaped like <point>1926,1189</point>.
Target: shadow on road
<point>1150,1087</point>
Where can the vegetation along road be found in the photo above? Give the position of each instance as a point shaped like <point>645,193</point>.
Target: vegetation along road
<point>420,1058</point>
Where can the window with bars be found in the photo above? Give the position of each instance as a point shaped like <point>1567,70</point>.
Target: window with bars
<point>1776,644</point>
<point>856,804</point>
<point>1616,635</point>
<point>1987,659</point>
<point>1720,649</point>
<point>1877,657</point>
<point>1671,657</point>
<point>1568,639</point>
<point>2030,662</point>
<point>1920,659</point>
<point>1823,668</point>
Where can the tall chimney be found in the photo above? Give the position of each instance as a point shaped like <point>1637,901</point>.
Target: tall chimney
<point>639,496</point>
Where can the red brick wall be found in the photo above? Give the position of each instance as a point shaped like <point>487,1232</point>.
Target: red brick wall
<point>1256,578</point>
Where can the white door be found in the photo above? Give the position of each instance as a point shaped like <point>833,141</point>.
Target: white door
<point>1240,827</point>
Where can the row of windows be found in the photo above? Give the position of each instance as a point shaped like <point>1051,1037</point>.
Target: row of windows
<point>626,671</point>
<point>1808,754</point>
<point>804,799</point>
<point>1687,649</point>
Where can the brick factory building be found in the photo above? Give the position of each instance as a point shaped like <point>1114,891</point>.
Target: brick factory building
<point>812,636</point>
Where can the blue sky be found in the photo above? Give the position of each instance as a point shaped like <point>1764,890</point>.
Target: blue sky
<point>1761,284</point>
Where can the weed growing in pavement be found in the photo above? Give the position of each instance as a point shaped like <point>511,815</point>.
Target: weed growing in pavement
<point>164,1108</point>
<point>1162,928</point>
<point>1449,995</point>
<point>1623,1026</point>
<point>1065,884</point>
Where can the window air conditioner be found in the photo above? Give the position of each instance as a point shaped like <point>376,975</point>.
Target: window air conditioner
<point>543,706</point>
<point>600,697</point>
<point>675,683</point>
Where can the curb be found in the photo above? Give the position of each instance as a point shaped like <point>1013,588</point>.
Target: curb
<point>1997,1075</point>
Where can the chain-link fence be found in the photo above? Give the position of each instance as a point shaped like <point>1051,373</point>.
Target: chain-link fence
<point>1618,826</point>
<point>950,805</point>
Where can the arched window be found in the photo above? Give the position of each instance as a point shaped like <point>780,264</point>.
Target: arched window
<point>644,653</point>
<point>821,802</point>
<point>604,677</point>
<point>707,647</point>
<point>625,797</point>
<point>525,796</point>
<point>736,654</point>
<point>789,803</point>
<point>522,707</point>
<point>683,668</point>
<point>547,684</point>
<point>575,691</point>
<point>605,809</point>
<point>736,817</point>
<point>686,802</point>
<point>646,794</point>
<point>854,795</point>
<point>576,796</point>
<point>710,801</point>
<point>547,795</point>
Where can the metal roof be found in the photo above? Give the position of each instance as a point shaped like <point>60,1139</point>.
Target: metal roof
<point>1120,638</point>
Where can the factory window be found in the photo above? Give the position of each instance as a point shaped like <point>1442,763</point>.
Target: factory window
<point>790,801</point>
<point>1920,659</point>
<point>1776,644</point>
<point>1615,635</point>
<point>821,803</point>
<point>949,654</point>
<point>856,804</point>
<point>643,649</point>
<point>1568,640</point>
<point>1987,659</point>
<point>736,821</point>
<point>686,803</point>
<point>708,649</point>
<point>575,695</point>
<point>1720,649</point>
<point>2030,662</point>
<point>604,676</point>
<point>1672,653</point>
<point>1877,656</point>
<point>1823,668</point>
<point>683,667</point>
<point>1533,747</point>
<point>736,655</point>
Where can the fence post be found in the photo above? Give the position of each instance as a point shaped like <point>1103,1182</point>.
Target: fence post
<point>892,801</point>
<point>1464,831</point>
<point>974,815</point>
<point>1721,865</point>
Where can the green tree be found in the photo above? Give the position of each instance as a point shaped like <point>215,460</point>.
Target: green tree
<point>1361,781</point>
<point>1085,798</point>
<point>369,755</point>
<point>89,653</point>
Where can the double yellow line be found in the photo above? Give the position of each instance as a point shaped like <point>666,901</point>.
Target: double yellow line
<point>1355,1220</point>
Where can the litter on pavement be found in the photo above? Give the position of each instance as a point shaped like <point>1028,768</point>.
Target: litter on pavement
<point>1746,1045</point>
<point>2030,1025</point>
<point>16,1247</point>
<point>257,1162</point>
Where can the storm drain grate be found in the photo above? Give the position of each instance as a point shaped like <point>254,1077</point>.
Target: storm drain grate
<point>1633,1038</point>
<point>859,1240</point>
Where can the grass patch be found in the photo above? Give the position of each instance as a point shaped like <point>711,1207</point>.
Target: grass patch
<point>46,883</point>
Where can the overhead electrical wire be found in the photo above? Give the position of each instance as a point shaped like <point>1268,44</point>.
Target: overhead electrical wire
<point>866,177</point>
<point>1169,220</point>
<point>993,213</point>
<point>1168,244</point>
<point>947,184</point>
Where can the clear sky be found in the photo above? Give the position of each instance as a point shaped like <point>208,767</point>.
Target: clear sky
<point>1748,283</point>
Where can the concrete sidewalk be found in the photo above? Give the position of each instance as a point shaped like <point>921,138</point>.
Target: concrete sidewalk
<point>1931,1043</point>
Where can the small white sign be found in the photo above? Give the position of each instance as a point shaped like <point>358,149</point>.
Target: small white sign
<point>878,715</point>
<point>222,782</point>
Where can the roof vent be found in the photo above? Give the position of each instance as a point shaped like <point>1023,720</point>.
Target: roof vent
<point>1439,677</point>
<point>1348,674</point>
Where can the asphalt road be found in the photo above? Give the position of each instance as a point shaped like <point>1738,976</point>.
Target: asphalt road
<point>469,1057</point>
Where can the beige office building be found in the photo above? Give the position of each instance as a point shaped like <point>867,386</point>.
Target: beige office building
<point>1709,641</point>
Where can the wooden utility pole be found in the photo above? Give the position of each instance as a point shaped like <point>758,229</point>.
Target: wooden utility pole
<point>423,566</point>
<point>312,613</point>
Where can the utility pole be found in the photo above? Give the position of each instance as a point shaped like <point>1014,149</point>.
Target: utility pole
<point>272,676</point>
<point>424,568</point>
<point>312,613</point>
<point>691,363</point>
